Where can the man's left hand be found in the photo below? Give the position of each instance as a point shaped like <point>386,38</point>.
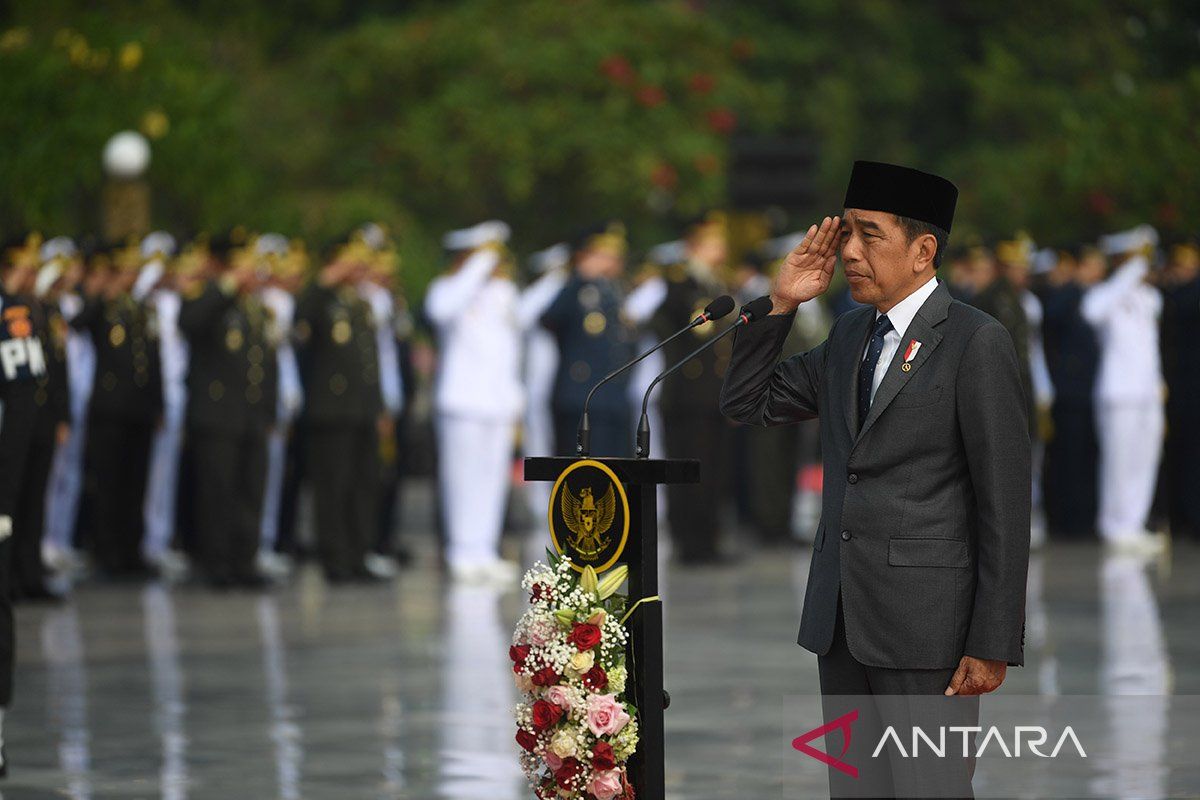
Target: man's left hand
<point>977,676</point>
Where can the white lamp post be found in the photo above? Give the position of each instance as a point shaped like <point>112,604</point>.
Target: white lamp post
<point>126,211</point>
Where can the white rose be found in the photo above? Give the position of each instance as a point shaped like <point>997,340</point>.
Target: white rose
<point>581,663</point>
<point>563,744</point>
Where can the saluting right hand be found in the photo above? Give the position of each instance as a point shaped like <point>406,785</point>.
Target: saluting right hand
<point>807,270</point>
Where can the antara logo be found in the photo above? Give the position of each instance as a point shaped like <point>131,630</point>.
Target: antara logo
<point>842,723</point>
<point>1033,737</point>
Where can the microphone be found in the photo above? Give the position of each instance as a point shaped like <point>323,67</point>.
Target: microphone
<point>755,309</point>
<point>715,310</point>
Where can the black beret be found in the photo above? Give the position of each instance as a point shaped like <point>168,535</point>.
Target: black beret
<point>875,186</point>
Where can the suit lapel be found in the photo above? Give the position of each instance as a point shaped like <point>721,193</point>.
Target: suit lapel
<point>856,341</point>
<point>921,329</point>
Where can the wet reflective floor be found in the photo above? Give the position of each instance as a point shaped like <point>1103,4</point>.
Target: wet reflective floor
<point>404,690</point>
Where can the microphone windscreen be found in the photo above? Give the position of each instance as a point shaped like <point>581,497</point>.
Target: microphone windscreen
<point>719,308</point>
<point>756,309</point>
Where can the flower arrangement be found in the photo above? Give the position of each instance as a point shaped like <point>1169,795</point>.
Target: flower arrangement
<point>574,726</point>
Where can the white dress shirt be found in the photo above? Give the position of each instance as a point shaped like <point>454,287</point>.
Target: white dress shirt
<point>901,316</point>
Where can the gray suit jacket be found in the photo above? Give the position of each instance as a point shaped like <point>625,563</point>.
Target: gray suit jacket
<point>925,522</point>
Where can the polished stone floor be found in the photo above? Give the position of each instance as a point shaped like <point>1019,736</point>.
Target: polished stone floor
<point>403,690</point>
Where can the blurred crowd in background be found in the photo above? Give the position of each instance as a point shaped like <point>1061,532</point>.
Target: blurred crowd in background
<point>170,405</point>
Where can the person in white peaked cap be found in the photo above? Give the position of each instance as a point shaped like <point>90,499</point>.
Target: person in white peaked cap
<point>1124,311</point>
<point>478,397</point>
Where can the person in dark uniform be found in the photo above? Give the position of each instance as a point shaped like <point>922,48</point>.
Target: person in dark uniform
<point>51,424</point>
<point>231,383</point>
<point>343,410</point>
<point>22,363</point>
<point>394,329</point>
<point>999,297</point>
<point>593,339</point>
<point>1181,369</point>
<point>694,425</point>
<point>1072,357</point>
<point>125,407</point>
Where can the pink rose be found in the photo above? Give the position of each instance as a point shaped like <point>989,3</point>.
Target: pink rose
<point>552,761</point>
<point>605,785</point>
<point>605,716</point>
<point>558,696</point>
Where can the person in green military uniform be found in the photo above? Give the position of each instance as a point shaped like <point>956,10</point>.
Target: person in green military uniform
<point>231,407</point>
<point>1000,296</point>
<point>694,425</point>
<point>593,339</point>
<point>125,407</point>
<point>343,410</point>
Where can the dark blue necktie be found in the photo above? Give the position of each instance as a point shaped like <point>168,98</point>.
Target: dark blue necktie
<point>866,371</point>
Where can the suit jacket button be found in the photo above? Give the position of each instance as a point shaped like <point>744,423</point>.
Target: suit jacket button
<point>845,536</point>
<point>853,477</point>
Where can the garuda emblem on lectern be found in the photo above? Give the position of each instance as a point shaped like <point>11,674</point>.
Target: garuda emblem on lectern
<point>589,515</point>
<point>589,520</point>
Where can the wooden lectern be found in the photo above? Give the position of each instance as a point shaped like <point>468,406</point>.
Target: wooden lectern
<point>640,478</point>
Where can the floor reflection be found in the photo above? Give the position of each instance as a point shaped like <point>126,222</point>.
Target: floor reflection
<point>478,755</point>
<point>285,732</point>
<point>1134,662</point>
<point>405,690</point>
<point>166,678</point>
<point>66,699</point>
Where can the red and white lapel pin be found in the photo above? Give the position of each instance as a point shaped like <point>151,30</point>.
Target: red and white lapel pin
<point>910,354</point>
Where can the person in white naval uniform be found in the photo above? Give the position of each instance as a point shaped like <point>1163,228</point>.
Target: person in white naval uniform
<point>478,397</point>
<point>279,296</point>
<point>540,366</point>
<point>66,472</point>
<point>1124,311</point>
<point>154,286</point>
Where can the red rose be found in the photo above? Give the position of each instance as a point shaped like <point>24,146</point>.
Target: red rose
<point>540,590</point>
<point>546,676</point>
<point>526,739</point>
<point>584,636</point>
<point>570,770</point>
<point>545,714</point>
<point>743,48</point>
<point>518,653</point>
<point>722,120</point>
<point>664,176</point>
<point>701,83</point>
<point>651,96</point>
<point>602,756</point>
<point>595,679</point>
<point>617,69</point>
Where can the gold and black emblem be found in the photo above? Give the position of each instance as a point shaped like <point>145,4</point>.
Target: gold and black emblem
<point>589,515</point>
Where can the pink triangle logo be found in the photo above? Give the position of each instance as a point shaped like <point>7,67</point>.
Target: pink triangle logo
<point>842,723</point>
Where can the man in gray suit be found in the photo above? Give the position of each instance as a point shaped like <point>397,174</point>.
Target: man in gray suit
<point>917,584</point>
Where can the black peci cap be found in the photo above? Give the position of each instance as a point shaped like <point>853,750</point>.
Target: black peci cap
<point>875,186</point>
